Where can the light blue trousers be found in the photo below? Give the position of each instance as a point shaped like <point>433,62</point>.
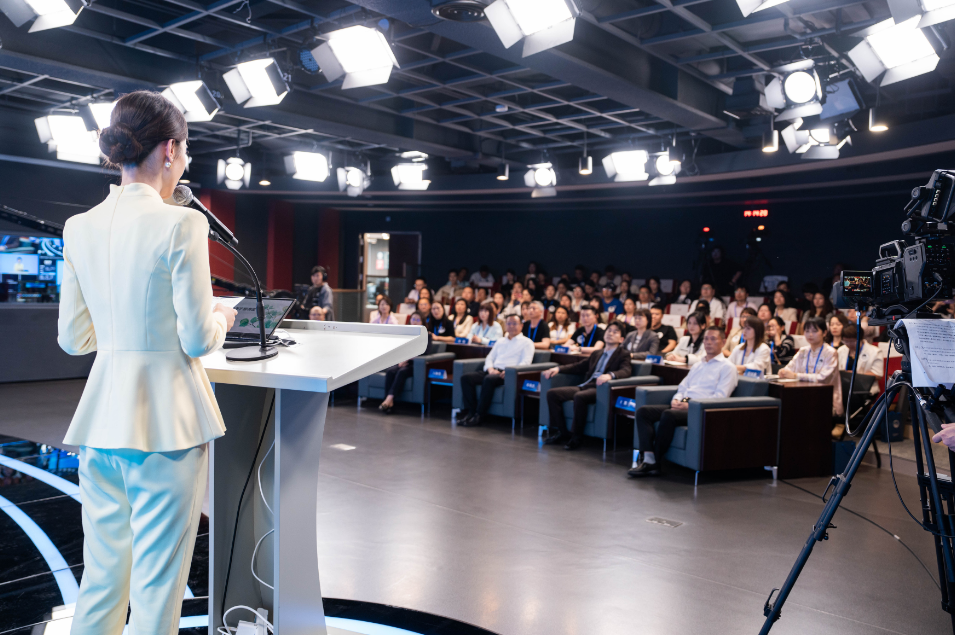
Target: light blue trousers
<point>140,515</point>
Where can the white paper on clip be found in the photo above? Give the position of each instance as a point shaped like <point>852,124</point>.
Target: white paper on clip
<point>932,348</point>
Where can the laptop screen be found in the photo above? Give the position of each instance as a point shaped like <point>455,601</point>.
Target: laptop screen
<point>246,323</point>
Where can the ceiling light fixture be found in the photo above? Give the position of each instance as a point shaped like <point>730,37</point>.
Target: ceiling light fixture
<point>68,136</point>
<point>876,122</point>
<point>97,114</point>
<point>193,99</point>
<point>929,12</point>
<point>542,24</point>
<point>307,166</point>
<point>410,176</point>
<point>46,14</point>
<point>503,172</point>
<point>353,180</point>
<point>751,6</point>
<point>542,178</point>
<point>666,169</point>
<point>796,90</point>
<point>816,143</point>
<point>257,83</point>
<point>265,183</point>
<point>627,165</point>
<point>895,52</point>
<point>585,165</point>
<point>234,172</point>
<point>770,140</point>
<point>360,53</point>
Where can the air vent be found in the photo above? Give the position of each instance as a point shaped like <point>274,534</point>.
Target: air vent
<point>460,11</point>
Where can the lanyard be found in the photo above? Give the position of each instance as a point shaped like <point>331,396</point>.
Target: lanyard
<point>772,348</point>
<point>592,334</point>
<point>487,327</point>
<point>743,342</point>
<point>534,334</point>
<point>818,355</point>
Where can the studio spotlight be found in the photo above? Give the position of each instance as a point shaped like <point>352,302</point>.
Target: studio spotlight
<point>585,165</point>
<point>796,90</point>
<point>265,183</point>
<point>234,172</point>
<point>542,24</point>
<point>99,113</point>
<point>822,142</point>
<point>895,51</point>
<point>353,180</point>
<point>929,12</point>
<point>68,136</point>
<point>542,178</point>
<point>503,172</point>
<point>410,176</point>
<point>193,99</point>
<point>751,6</point>
<point>666,169</point>
<point>770,140</point>
<point>307,166</point>
<point>257,83</point>
<point>628,165</point>
<point>46,14</point>
<point>876,122</point>
<point>360,53</point>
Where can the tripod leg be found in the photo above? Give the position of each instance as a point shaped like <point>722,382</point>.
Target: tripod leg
<point>940,516</point>
<point>840,487</point>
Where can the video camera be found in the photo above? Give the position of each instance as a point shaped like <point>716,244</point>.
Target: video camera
<point>906,276</point>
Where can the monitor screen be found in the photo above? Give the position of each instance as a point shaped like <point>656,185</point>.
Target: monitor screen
<point>20,264</point>
<point>31,268</point>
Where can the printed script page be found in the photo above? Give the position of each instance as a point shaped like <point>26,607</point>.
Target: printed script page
<point>932,344</point>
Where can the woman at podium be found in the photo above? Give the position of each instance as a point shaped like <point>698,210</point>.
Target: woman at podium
<point>136,290</point>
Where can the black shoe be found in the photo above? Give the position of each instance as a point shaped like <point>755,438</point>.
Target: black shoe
<point>557,439</point>
<point>385,409</point>
<point>463,415</point>
<point>471,422</point>
<point>575,443</point>
<point>644,469</point>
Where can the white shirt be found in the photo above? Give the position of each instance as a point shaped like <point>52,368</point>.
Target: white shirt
<point>563,331</point>
<point>871,359</point>
<point>487,334</point>
<point>714,379</point>
<point>413,295</point>
<point>683,350</point>
<point>760,359</point>
<point>820,367</point>
<point>717,308</point>
<point>447,293</point>
<point>376,318</point>
<point>735,309</point>
<point>482,281</point>
<point>508,351</point>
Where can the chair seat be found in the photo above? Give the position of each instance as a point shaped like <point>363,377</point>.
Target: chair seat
<point>498,397</point>
<point>569,412</point>
<point>377,380</point>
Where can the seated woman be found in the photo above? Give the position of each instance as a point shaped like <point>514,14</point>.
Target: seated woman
<point>498,302</point>
<point>396,376</point>
<point>487,329</point>
<point>736,334</point>
<point>442,329</point>
<point>821,307</point>
<point>782,346</point>
<point>703,307</point>
<point>513,306</point>
<point>782,306</point>
<point>561,328</point>
<point>578,300</point>
<point>623,291</point>
<point>655,291</point>
<point>629,315</point>
<point>818,363</point>
<point>383,315</point>
<point>683,294</point>
<point>689,350</point>
<point>752,352</point>
<point>462,320</point>
<point>643,340</point>
<point>837,323</point>
<point>424,308</point>
<point>527,295</point>
<point>598,306</point>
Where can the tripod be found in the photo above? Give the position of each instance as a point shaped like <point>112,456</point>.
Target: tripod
<point>932,490</point>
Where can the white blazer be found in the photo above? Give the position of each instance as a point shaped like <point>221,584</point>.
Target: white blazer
<point>757,360</point>
<point>136,289</point>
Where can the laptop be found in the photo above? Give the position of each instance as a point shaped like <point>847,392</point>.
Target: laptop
<point>246,327</point>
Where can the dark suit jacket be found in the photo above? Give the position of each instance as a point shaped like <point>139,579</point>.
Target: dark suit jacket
<point>619,364</point>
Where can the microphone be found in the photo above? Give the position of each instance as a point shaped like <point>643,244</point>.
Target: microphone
<point>183,197</point>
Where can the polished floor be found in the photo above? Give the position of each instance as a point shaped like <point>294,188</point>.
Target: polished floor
<point>483,526</point>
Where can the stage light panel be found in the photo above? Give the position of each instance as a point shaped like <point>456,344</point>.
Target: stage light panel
<point>895,51</point>
<point>257,83</point>
<point>353,180</point>
<point>69,138</point>
<point>101,113</point>
<point>193,99</point>
<point>46,14</point>
<point>751,6</point>
<point>360,53</point>
<point>542,24</point>
<point>410,176</point>
<point>627,165</point>
<point>307,166</point>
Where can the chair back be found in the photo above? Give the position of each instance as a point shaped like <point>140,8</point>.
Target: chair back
<point>749,387</point>
<point>436,347</point>
<point>540,357</point>
<point>679,309</point>
<point>666,285</point>
<point>863,383</point>
<point>676,321</point>
<point>641,368</point>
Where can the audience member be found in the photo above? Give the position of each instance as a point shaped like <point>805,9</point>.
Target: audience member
<point>818,362</point>
<point>623,291</point>
<point>463,277</point>
<point>642,341</point>
<point>765,313</point>
<point>782,346</point>
<point>714,377</point>
<point>511,350</point>
<point>442,329</point>
<point>563,288</point>
<point>483,278</point>
<point>644,299</point>
<point>752,352</point>
<point>525,312</point>
<point>396,376</point>
<point>415,293</point>
<point>384,314</point>
<point>498,302</point>
<point>665,332</point>
<point>588,337</point>
<point>486,329</point>
<point>578,300</point>
<point>871,360</point>
<point>315,313</point>
<point>656,291</point>
<point>687,350</point>
<point>809,290</point>
<point>550,300</point>
<point>567,302</point>
<point>531,272</point>
<point>535,328</point>
<point>561,327</point>
<point>721,272</point>
<point>508,282</point>
<point>837,323</point>
<point>319,294</point>
<point>597,304</point>
<point>782,306</point>
<point>513,307</point>
<point>462,319</point>
<point>590,289</point>
<point>610,277</point>
<point>425,292</point>
<point>450,290</point>
<point>580,274</point>
<point>613,362</point>
<point>870,333</point>
<point>527,295</point>
<point>481,295</point>
<point>702,307</point>
<point>821,307</point>
<point>610,304</point>
<point>683,294</point>
<point>740,302</point>
<point>737,331</point>
<point>716,307</point>
<point>531,287</point>
<point>629,314</point>
<point>424,308</point>
<point>467,294</point>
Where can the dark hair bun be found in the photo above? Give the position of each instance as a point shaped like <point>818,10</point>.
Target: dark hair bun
<point>118,142</point>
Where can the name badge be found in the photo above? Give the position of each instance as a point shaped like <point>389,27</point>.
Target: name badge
<point>437,373</point>
<point>531,386</point>
<point>656,359</point>
<point>492,342</point>
<point>461,340</point>
<point>752,372</point>
<point>626,404</point>
<point>561,349</point>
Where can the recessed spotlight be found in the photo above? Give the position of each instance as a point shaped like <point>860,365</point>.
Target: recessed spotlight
<point>185,181</point>
<point>265,183</point>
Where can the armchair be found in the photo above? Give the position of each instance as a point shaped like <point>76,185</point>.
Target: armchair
<point>415,390</point>
<point>740,431</point>
<point>600,418</point>
<point>504,403</point>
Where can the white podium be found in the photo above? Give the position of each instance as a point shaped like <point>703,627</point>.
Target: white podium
<point>328,355</point>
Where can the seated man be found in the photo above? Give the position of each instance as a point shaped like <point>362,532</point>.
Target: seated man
<point>714,377</point>
<point>535,327</point>
<point>449,291</point>
<point>667,334</point>
<point>467,294</point>
<point>644,298</point>
<point>740,302</point>
<point>589,337</point>
<point>413,295</point>
<point>708,296</point>
<point>613,362</point>
<point>610,303</point>
<point>511,350</point>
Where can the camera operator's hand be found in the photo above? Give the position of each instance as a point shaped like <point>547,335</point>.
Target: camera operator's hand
<point>946,436</point>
